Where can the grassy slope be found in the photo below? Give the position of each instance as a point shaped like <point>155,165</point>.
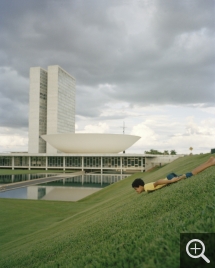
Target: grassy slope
<point>114,227</point>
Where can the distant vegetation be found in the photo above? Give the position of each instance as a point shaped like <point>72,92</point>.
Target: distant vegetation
<point>166,152</point>
<point>114,227</point>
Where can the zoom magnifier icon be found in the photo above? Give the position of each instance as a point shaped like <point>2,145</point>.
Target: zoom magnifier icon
<point>195,250</point>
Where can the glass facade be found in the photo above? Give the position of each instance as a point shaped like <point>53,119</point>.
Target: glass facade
<point>21,161</point>
<point>55,161</point>
<point>38,161</point>
<point>5,161</point>
<point>97,162</point>
<point>92,161</point>
<point>43,110</point>
<point>73,161</point>
<point>132,162</point>
<point>109,162</point>
<point>66,102</point>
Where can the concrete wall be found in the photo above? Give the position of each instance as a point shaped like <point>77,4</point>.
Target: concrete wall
<point>52,104</point>
<point>159,160</point>
<point>37,110</point>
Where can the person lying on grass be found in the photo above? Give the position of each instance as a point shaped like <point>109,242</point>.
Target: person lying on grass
<point>139,185</point>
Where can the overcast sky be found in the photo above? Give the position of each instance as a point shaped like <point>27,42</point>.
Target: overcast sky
<point>148,63</point>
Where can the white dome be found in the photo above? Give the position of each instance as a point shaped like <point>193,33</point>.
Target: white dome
<point>90,142</point>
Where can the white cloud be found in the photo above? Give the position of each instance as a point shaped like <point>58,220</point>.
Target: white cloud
<point>208,110</point>
<point>162,132</point>
<point>199,143</point>
<point>199,135</point>
<point>149,138</point>
<point>95,128</point>
<point>146,133</point>
<point>16,142</point>
<point>205,127</point>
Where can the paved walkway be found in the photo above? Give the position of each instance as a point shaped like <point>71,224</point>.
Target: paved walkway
<point>16,185</point>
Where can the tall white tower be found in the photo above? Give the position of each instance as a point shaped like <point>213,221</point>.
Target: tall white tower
<point>51,106</point>
<point>61,103</point>
<point>37,110</point>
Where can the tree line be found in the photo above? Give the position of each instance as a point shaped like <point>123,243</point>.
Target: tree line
<point>166,152</point>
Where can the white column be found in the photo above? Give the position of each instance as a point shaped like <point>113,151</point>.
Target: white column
<point>121,166</point>
<point>82,163</point>
<point>12,162</point>
<point>46,162</point>
<point>101,169</point>
<point>82,168</point>
<point>29,163</point>
<point>63,163</point>
<point>101,165</point>
<point>141,164</point>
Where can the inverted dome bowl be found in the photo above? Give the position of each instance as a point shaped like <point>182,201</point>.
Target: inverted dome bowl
<point>90,142</point>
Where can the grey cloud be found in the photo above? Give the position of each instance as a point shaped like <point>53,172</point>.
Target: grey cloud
<point>176,17</point>
<point>91,42</point>
<point>13,116</point>
<point>90,101</point>
<point>13,99</point>
<point>83,45</point>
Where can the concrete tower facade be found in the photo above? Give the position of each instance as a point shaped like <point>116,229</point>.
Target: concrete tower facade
<point>51,106</point>
<point>37,110</point>
<point>61,103</point>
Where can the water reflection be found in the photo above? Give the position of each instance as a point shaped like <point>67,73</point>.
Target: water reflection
<point>50,193</point>
<point>92,179</point>
<point>70,189</point>
<point>23,177</point>
<point>81,179</point>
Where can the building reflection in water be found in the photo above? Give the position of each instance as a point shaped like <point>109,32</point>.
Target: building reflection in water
<point>70,189</point>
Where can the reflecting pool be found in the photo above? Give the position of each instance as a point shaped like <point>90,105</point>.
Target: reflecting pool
<point>56,193</point>
<point>69,189</point>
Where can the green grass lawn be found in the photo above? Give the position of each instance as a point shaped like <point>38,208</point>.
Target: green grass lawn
<point>114,227</point>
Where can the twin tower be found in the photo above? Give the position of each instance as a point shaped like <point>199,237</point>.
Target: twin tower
<point>51,106</point>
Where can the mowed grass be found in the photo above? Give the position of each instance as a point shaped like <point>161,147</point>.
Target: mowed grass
<point>114,227</point>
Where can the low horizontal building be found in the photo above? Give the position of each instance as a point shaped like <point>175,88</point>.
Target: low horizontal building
<point>122,163</point>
